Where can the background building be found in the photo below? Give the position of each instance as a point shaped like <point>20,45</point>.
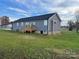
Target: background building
<point>4,20</point>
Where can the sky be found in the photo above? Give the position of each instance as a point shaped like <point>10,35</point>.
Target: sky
<point>16,9</point>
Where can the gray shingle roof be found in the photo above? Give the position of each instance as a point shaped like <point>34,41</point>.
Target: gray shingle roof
<point>41,17</point>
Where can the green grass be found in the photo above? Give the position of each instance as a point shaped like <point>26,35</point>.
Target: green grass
<point>15,45</point>
<point>63,40</point>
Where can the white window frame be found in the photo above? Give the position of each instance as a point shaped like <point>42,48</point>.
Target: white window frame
<point>34,23</point>
<point>27,23</point>
<point>17,24</point>
<point>45,22</point>
<point>22,23</point>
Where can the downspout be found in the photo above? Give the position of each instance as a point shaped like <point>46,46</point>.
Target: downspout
<point>47,27</point>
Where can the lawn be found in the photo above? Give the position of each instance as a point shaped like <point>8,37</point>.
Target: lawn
<point>63,40</point>
<point>15,45</point>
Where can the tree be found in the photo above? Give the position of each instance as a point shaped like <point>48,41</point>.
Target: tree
<point>77,26</point>
<point>77,20</point>
<point>71,25</point>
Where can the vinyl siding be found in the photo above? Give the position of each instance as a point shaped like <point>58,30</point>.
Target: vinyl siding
<point>55,24</point>
<point>39,24</point>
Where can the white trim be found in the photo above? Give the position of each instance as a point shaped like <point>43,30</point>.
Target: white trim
<point>22,23</point>
<point>45,22</point>
<point>17,24</point>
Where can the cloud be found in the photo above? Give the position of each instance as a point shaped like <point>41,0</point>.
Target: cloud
<point>17,9</point>
<point>61,6</point>
<point>21,1</point>
<point>65,8</point>
<point>41,3</point>
<point>65,13</point>
<point>75,0</point>
<point>20,11</point>
<point>13,18</point>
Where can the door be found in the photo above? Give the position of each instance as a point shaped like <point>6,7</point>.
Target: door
<point>52,26</point>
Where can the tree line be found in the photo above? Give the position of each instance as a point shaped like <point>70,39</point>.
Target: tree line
<point>73,25</point>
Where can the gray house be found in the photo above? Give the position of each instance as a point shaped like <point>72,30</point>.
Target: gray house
<point>46,24</point>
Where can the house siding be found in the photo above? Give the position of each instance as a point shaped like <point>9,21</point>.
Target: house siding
<point>39,24</point>
<point>55,24</point>
<point>15,27</point>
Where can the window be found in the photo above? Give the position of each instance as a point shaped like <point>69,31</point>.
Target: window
<point>45,22</point>
<point>22,23</point>
<point>27,23</point>
<point>34,23</point>
<point>17,24</point>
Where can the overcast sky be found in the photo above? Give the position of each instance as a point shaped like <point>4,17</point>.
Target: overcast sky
<point>16,9</point>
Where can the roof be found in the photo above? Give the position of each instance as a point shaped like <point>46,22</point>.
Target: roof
<point>40,17</point>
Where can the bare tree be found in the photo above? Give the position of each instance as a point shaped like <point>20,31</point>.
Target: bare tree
<point>71,25</point>
<point>77,20</point>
